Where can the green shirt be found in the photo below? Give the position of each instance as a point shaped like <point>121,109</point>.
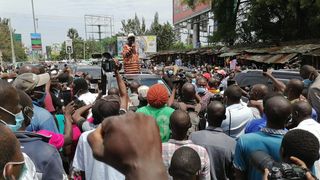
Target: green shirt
<point>162,116</point>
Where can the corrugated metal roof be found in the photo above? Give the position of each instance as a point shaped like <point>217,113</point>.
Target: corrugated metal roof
<point>277,59</point>
<point>229,54</point>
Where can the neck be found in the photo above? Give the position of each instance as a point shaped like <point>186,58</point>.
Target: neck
<point>233,102</point>
<point>293,96</point>
<point>179,137</point>
<point>273,126</point>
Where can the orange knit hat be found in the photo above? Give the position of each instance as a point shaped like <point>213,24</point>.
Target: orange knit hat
<point>157,95</point>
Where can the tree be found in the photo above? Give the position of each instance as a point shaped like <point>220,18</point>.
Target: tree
<point>73,33</point>
<point>5,43</point>
<point>134,26</point>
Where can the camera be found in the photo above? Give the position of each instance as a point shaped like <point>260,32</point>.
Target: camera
<point>107,62</point>
<point>180,79</point>
<point>277,170</point>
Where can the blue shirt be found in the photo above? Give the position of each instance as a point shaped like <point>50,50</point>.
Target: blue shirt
<point>42,120</point>
<point>256,124</point>
<point>248,143</point>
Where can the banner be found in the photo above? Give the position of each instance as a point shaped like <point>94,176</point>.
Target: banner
<point>36,41</point>
<point>145,44</point>
<point>18,38</point>
<point>182,12</point>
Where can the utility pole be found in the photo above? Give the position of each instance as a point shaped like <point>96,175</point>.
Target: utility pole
<point>34,18</point>
<point>84,50</point>
<point>12,45</point>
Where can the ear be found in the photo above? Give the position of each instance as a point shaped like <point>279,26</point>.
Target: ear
<point>9,172</point>
<point>224,116</point>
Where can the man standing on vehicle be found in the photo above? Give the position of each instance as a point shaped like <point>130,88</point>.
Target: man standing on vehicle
<point>131,56</point>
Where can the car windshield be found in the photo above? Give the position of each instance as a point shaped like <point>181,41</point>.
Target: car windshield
<point>95,72</point>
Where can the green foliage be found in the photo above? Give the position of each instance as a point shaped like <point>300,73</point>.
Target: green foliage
<point>134,26</point>
<point>252,21</point>
<point>164,32</point>
<point>181,46</point>
<point>5,43</point>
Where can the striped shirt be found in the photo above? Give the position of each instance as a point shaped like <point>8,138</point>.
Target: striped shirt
<point>172,145</point>
<point>130,60</point>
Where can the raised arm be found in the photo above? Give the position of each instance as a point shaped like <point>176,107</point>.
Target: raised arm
<point>278,84</point>
<point>124,98</point>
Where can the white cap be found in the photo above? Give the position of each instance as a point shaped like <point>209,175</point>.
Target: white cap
<point>131,35</point>
<point>143,91</point>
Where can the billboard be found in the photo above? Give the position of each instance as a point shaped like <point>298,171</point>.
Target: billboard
<point>182,12</point>
<point>145,44</point>
<point>36,41</point>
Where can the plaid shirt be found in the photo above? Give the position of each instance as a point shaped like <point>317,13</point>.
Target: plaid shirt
<point>172,145</point>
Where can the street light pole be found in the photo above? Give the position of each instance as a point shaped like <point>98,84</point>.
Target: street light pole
<point>34,18</point>
<point>12,44</point>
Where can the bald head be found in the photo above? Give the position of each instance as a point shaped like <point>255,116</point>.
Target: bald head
<point>216,113</point>
<point>301,110</point>
<point>179,124</point>
<point>113,91</point>
<point>188,91</point>
<point>277,110</point>
<point>258,92</point>
<point>294,88</point>
<point>134,85</point>
<point>306,70</point>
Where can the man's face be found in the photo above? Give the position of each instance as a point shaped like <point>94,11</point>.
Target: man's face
<point>131,40</point>
<point>202,83</point>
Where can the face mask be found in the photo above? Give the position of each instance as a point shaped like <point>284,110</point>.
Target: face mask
<point>193,81</point>
<point>170,72</point>
<point>19,118</point>
<point>201,90</point>
<point>40,101</point>
<point>307,82</point>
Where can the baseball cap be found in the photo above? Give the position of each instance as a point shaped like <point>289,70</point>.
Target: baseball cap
<point>131,35</point>
<point>28,81</point>
<point>143,91</point>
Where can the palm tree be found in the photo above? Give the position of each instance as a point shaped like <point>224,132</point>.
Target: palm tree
<point>73,33</point>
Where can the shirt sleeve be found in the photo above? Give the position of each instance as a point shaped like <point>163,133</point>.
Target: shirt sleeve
<point>87,126</point>
<point>205,174</point>
<point>239,161</point>
<point>57,140</point>
<point>78,161</point>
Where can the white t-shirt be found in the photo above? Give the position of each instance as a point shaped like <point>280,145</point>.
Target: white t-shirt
<point>240,116</point>
<point>313,127</point>
<point>94,170</point>
<point>88,98</point>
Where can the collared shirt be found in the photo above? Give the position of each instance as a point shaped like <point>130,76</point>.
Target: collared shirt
<point>42,120</point>
<point>172,145</point>
<point>267,140</point>
<point>220,148</point>
<point>205,99</point>
<point>237,117</point>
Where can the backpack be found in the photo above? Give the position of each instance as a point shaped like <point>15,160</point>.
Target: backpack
<point>193,111</point>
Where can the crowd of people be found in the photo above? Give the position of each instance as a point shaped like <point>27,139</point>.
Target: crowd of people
<point>207,127</point>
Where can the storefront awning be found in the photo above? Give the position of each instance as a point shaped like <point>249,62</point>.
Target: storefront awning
<point>270,58</point>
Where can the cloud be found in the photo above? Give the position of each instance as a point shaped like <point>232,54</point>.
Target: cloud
<point>56,17</point>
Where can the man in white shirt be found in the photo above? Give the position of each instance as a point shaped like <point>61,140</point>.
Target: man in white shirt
<point>81,90</point>
<point>237,113</point>
<point>301,117</point>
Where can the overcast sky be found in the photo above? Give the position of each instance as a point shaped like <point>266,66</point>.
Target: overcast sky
<point>57,16</point>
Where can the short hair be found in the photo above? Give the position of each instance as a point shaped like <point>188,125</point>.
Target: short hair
<point>63,78</point>
<point>297,85</point>
<point>301,144</point>
<point>306,70</point>
<point>113,91</point>
<point>80,84</point>
<point>185,163</point>
<point>7,92</point>
<point>233,92</point>
<point>105,107</point>
<point>180,122</point>
<point>9,146</point>
<point>277,110</point>
<point>216,113</point>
